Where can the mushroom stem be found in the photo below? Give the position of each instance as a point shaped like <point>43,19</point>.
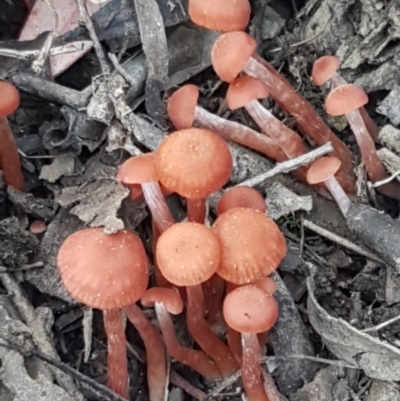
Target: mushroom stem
<point>117,364</point>
<point>307,118</point>
<point>196,210</point>
<point>202,334</point>
<point>197,360</point>
<point>251,369</point>
<point>158,206</point>
<point>373,165</point>
<point>9,157</point>
<point>156,366</point>
<point>338,194</point>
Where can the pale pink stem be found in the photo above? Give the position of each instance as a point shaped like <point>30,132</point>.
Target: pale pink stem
<point>196,210</point>
<point>158,206</point>
<point>251,369</point>
<point>155,352</point>
<point>339,195</point>
<point>202,334</point>
<point>117,364</point>
<point>373,164</point>
<point>307,118</point>
<point>213,295</point>
<point>197,360</point>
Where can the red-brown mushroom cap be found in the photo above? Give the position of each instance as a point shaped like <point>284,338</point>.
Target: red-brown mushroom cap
<point>103,271</point>
<point>243,90</point>
<point>194,163</point>
<point>37,227</point>
<point>344,99</point>
<point>251,243</point>
<point>169,297</point>
<point>266,284</point>
<point>241,197</point>
<point>9,98</point>
<point>188,253</point>
<point>181,106</point>
<point>138,170</point>
<point>220,15</point>
<point>249,309</point>
<point>230,53</point>
<point>324,69</point>
<point>322,169</point>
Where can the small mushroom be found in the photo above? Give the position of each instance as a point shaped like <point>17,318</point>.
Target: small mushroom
<point>241,196</point>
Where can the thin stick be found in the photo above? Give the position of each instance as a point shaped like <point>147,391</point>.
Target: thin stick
<point>386,180</point>
<point>381,325</point>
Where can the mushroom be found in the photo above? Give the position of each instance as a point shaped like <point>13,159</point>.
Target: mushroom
<point>250,310</point>
<point>188,254</point>
<point>233,53</point>
<point>9,157</point>
<point>166,301</point>
<point>194,163</point>
<point>323,170</point>
<point>106,272</point>
<point>241,196</point>
<point>346,100</point>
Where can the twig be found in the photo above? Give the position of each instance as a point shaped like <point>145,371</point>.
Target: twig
<point>340,240</point>
<point>386,180</point>
<point>120,69</point>
<point>290,165</point>
<point>381,325</point>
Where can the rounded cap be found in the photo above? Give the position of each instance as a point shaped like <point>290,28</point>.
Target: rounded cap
<point>266,284</point>
<point>220,16</point>
<point>249,309</point>
<point>181,106</point>
<point>37,227</point>
<point>251,243</point>
<point>138,170</point>
<point>230,53</point>
<point>243,90</point>
<point>344,99</point>
<point>103,271</point>
<point>9,98</point>
<point>324,69</point>
<point>194,163</point>
<point>169,297</point>
<point>323,169</point>
<point>241,197</point>
<point>188,253</point>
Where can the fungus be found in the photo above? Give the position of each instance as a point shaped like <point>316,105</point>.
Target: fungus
<point>346,100</point>
<point>188,254</point>
<point>250,310</point>
<point>233,52</point>
<point>9,157</point>
<point>166,301</point>
<point>194,163</point>
<point>241,196</point>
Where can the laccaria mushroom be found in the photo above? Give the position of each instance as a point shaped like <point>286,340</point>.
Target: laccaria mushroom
<point>9,157</point>
<point>233,53</point>
<point>250,310</point>
<point>106,272</point>
<point>346,100</point>
<point>241,196</point>
<point>194,163</point>
<point>188,254</point>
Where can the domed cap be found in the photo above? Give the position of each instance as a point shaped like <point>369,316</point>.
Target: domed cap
<point>220,15</point>
<point>194,163</point>
<point>344,99</point>
<point>251,243</point>
<point>241,197</point>
<point>324,69</point>
<point>243,90</point>
<point>266,284</point>
<point>181,106</point>
<point>322,169</point>
<point>169,297</point>
<point>9,98</point>
<point>138,170</point>
<point>188,253</point>
<point>249,309</point>
<point>103,271</point>
<point>230,53</point>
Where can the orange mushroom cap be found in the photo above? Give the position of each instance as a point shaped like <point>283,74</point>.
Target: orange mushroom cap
<point>169,297</point>
<point>194,163</point>
<point>230,53</point>
<point>37,227</point>
<point>220,15</point>
<point>9,98</point>
<point>266,284</point>
<point>251,243</point>
<point>324,68</point>
<point>249,309</point>
<point>243,90</point>
<point>322,169</point>
<point>103,271</point>
<point>241,197</point>
<point>345,99</point>
<point>181,106</point>
<point>188,253</point>
<point>138,170</point>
